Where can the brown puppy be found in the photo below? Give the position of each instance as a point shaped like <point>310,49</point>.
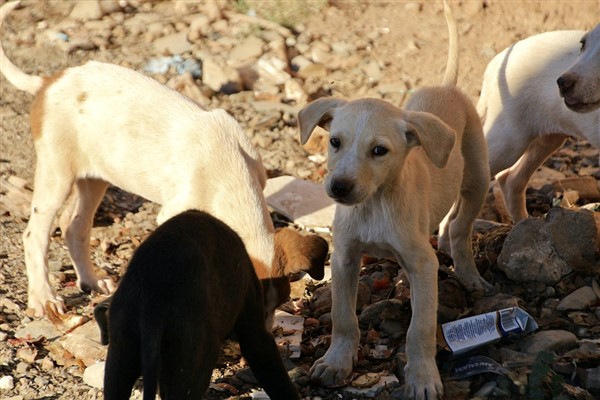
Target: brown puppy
<point>187,287</point>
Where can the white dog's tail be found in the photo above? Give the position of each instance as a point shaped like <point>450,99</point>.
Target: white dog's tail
<point>451,75</point>
<point>18,78</point>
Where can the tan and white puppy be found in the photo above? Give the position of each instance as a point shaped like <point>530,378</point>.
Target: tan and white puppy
<point>100,123</point>
<point>524,118</point>
<point>395,174</point>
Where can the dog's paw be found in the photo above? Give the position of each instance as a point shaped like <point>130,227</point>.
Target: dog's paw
<point>100,285</point>
<point>38,306</point>
<point>334,368</point>
<point>423,382</point>
<point>475,283</point>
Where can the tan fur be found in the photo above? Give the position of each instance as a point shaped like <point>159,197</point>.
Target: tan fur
<point>396,175</point>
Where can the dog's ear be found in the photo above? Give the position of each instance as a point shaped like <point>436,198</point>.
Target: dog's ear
<point>295,253</point>
<point>428,131</point>
<point>319,112</point>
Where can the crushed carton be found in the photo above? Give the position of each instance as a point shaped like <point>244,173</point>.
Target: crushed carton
<point>467,334</point>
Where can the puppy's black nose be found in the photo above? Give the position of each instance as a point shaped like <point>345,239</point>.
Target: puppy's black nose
<point>341,188</point>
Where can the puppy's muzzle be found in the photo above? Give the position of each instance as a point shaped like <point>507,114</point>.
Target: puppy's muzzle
<point>340,190</point>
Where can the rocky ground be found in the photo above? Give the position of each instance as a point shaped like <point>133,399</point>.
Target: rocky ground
<point>262,61</point>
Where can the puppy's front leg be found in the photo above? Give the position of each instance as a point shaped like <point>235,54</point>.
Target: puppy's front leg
<point>335,366</point>
<point>421,373</point>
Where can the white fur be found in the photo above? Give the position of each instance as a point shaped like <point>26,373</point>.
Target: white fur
<point>100,123</point>
<point>524,118</point>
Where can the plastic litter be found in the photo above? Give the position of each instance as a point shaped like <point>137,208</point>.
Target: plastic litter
<point>161,65</point>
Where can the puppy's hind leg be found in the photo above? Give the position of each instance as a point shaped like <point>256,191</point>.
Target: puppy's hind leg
<point>472,194</point>
<point>513,181</point>
<point>77,236</point>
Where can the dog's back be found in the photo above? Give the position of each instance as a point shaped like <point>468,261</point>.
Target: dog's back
<point>519,96</point>
<point>188,286</point>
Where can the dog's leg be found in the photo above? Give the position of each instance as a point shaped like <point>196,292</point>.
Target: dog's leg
<point>89,195</point>
<point>122,367</point>
<point>513,181</point>
<point>474,187</point>
<point>51,190</point>
<point>460,235</point>
<point>422,377</point>
<point>335,366</point>
<point>186,364</point>
<point>259,349</point>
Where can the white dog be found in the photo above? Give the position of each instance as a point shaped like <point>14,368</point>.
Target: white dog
<point>524,118</point>
<point>101,123</point>
<point>395,174</point>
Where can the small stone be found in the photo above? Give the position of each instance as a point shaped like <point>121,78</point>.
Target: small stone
<point>579,299</point>
<point>87,10</point>
<point>7,382</point>
<point>22,368</point>
<point>552,340</point>
<point>94,375</point>
<point>366,380</point>
<point>173,44</point>
<point>374,314</point>
<point>590,379</point>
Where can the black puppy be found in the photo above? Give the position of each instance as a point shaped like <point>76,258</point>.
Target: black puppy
<point>188,286</point>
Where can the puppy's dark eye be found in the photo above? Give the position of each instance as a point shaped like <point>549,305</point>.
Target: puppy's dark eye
<point>379,151</point>
<point>335,142</point>
<point>582,45</point>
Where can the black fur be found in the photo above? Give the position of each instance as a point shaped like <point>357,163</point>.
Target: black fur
<point>187,287</point>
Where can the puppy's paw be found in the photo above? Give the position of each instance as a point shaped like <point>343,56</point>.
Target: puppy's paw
<point>475,283</point>
<point>335,367</point>
<point>423,382</point>
<point>38,305</point>
<point>100,285</point>
<point>329,375</point>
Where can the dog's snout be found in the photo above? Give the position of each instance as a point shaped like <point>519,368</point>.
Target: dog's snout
<point>341,187</point>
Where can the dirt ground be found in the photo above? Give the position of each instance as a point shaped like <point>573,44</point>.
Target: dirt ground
<point>407,40</point>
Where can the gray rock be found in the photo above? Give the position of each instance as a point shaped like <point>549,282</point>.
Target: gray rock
<point>84,344</point>
<point>94,375</point>
<point>38,329</point>
<point>579,299</point>
<point>590,378</point>
<point>546,250</point>
<point>552,340</point>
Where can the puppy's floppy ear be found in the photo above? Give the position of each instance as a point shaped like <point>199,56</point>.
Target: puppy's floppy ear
<point>295,253</point>
<point>319,112</point>
<point>430,132</point>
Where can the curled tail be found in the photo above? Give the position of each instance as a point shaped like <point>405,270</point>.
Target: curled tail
<point>451,75</point>
<point>18,78</point>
